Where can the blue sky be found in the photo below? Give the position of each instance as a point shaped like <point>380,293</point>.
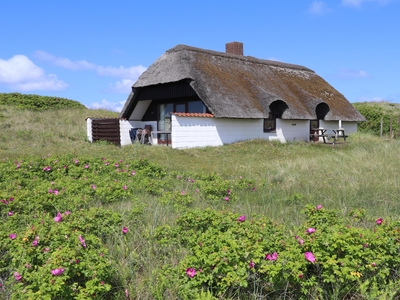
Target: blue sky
<point>93,51</point>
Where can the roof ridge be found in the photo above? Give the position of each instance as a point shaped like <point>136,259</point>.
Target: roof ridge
<point>252,59</point>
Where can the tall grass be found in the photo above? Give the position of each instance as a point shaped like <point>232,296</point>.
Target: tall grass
<point>361,173</point>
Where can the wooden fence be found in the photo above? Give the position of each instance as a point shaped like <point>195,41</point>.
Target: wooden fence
<point>106,130</point>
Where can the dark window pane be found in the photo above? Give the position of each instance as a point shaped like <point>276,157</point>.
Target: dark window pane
<point>180,107</point>
<point>196,107</point>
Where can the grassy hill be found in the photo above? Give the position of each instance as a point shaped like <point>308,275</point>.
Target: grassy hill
<point>37,102</point>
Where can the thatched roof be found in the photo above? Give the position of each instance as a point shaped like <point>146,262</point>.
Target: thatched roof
<point>235,86</point>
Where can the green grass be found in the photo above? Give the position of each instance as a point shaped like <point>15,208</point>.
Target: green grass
<point>361,173</point>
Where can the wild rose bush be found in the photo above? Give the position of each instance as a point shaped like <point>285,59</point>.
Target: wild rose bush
<point>230,256</point>
<point>58,256</point>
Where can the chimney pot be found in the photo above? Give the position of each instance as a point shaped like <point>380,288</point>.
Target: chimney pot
<point>234,48</point>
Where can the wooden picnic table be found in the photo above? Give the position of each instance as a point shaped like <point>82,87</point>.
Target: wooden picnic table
<point>322,132</point>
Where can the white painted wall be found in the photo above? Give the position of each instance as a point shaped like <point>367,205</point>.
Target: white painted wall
<point>189,132</point>
<point>125,126</point>
<point>294,130</point>
<point>89,129</point>
<point>349,127</point>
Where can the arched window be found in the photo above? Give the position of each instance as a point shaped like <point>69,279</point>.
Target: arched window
<point>322,110</point>
<point>276,110</point>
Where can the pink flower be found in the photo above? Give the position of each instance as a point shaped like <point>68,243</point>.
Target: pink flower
<point>197,191</point>
<point>242,218</point>
<point>226,199</point>
<point>124,230</point>
<point>35,242</point>
<point>102,282</point>
<point>57,271</point>
<point>93,186</point>
<point>82,240</point>
<point>125,187</point>
<point>301,242</point>
<point>373,264</point>
<point>86,166</point>
<point>228,191</point>
<point>17,276</point>
<point>251,264</point>
<point>182,192</point>
<point>310,230</point>
<point>76,161</point>
<point>319,206</point>
<point>12,236</point>
<point>272,257</point>
<point>10,213</point>
<point>190,272</point>
<point>379,221</point>
<point>126,293</point>
<point>46,249</point>
<point>18,166</point>
<point>58,218</point>
<point>55,192</point>
<point>50,191</point>
<point>309,256</point>
<point>133,173</point>
<point>116,165</point>
<point>67,213</point>
<point>301,276</point>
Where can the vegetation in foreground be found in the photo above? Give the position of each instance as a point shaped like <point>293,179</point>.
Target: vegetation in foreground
<point>243,221</point>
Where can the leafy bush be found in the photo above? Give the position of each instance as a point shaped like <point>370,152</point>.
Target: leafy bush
<point>58,256</point>
<point>230,256</point>
<point>375,113</point>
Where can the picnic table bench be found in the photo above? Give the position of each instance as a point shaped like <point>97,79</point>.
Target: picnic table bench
<point>321,133</point>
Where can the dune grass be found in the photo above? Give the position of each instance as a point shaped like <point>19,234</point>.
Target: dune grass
<point>361,173</point>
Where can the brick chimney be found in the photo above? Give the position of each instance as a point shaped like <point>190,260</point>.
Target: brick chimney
<point>234,48</point>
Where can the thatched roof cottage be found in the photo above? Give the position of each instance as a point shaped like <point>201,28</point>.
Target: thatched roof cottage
<point>194,97</point>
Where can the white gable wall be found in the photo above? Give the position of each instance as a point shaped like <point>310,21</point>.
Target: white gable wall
<point>189,132</point>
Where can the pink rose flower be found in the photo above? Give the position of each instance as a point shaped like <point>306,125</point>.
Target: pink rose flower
<point>309,256</point>
<point>310,230</point>
<point>58,218</point>
<point>190,272</point>
<point>272,257</point>
<point>17,276</point>
<point>57,272</point>
<point>242,218</point>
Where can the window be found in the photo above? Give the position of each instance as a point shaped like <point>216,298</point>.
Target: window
<point>276,110</point>
<point>270,123</point>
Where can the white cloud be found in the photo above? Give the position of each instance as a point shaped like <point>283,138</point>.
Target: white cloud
<point>352,74</point>
<point>319,8</point>
<point>20,73</point>
<point>104,104</point>
<point>122,72</point>
<point>124,86</point>
<point>128,75</point>
<point>65,62</point>
<point>358,3</point>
